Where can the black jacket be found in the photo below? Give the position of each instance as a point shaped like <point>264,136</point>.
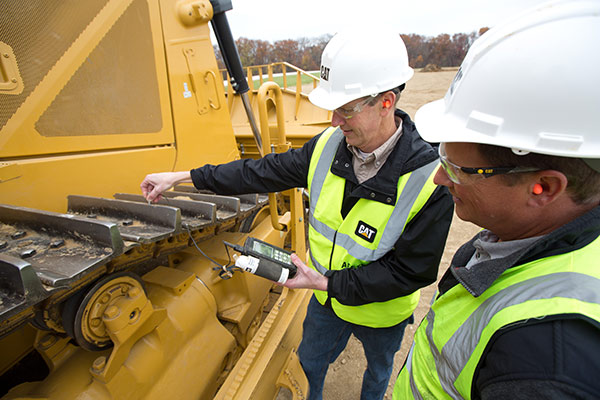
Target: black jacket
<point>414,261</point>
<point>556,357</point>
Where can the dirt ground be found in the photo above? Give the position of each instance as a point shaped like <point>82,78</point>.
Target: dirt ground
<point>344,378</point>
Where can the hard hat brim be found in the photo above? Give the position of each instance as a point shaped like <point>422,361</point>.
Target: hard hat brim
<point>430,122</point>
<point>436,125</point>
<point>327,100</point>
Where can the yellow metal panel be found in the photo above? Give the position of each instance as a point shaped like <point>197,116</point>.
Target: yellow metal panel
<point>45,183</point>
<point>175,280</point>
<point>16,345</point>
<point>202,122</point>
<point>19,136</point>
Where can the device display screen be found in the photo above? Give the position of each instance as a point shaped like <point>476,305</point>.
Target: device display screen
<point>262,249</point>
<point>271,252</point>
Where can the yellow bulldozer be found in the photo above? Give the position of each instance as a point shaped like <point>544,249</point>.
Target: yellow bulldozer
<point>103,296</point>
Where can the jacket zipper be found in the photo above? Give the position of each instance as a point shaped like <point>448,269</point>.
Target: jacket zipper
<point>328,301</point>
<point>332,248</point>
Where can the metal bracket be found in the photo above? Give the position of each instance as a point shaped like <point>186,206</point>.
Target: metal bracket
<point>10,78</point>
<point>203,84</point>
<point>127,321</point>
<point>195,12</point>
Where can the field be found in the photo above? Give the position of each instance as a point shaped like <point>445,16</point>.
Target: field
<point>343,381</point>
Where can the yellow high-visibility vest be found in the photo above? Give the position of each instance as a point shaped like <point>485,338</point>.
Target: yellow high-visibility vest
<point>451,339</point>
<point>366,234</point>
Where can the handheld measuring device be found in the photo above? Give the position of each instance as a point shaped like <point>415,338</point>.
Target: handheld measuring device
<point>264,259</point>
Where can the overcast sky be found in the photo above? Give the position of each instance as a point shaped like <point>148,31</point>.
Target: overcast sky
<point>273,20</point>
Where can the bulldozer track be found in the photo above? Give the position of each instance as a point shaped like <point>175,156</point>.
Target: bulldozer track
<point>45,257</point>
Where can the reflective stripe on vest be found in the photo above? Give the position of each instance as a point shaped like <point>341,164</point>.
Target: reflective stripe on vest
<point>337,242</point>
<point>544,287</point>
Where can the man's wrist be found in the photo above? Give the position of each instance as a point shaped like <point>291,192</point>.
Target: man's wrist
<point>182,177</point>
<point>322,283</point>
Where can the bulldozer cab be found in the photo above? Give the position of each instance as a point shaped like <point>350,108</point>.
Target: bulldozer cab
<point>101,294</point>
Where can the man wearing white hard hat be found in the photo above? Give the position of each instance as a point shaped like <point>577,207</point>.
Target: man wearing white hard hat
<point>517,314</point>
<point>378,223</point>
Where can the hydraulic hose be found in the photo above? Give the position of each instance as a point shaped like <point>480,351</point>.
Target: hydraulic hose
<point>232,61</point>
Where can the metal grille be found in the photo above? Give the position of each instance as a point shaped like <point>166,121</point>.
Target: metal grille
<point>39,32</point>
<point>115,91</point>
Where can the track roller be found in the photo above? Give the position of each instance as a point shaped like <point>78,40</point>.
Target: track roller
<point>82,314</point>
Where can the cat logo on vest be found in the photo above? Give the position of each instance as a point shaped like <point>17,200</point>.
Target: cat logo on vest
<point>365,231</point>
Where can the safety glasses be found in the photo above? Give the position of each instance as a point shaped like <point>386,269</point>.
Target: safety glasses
<point>358,107</point>
<point>467,175</point>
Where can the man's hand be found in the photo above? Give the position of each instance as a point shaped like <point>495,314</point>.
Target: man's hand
<point>155,184</point>
<point>306,277</point>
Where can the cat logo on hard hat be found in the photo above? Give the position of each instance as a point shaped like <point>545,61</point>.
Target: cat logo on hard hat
<point>324,73</point>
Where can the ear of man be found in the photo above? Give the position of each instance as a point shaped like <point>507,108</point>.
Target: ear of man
<point>388,102</point>
<point>546,188</point>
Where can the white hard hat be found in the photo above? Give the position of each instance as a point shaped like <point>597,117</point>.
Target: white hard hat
<point>356,64</point>
<point>530,84</point>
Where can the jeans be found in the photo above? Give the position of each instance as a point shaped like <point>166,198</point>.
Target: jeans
<point>325,336</point>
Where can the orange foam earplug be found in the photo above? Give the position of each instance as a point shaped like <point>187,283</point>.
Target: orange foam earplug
<point>537,189</point>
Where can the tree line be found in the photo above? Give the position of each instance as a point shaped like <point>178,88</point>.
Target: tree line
<point>443,50</point>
